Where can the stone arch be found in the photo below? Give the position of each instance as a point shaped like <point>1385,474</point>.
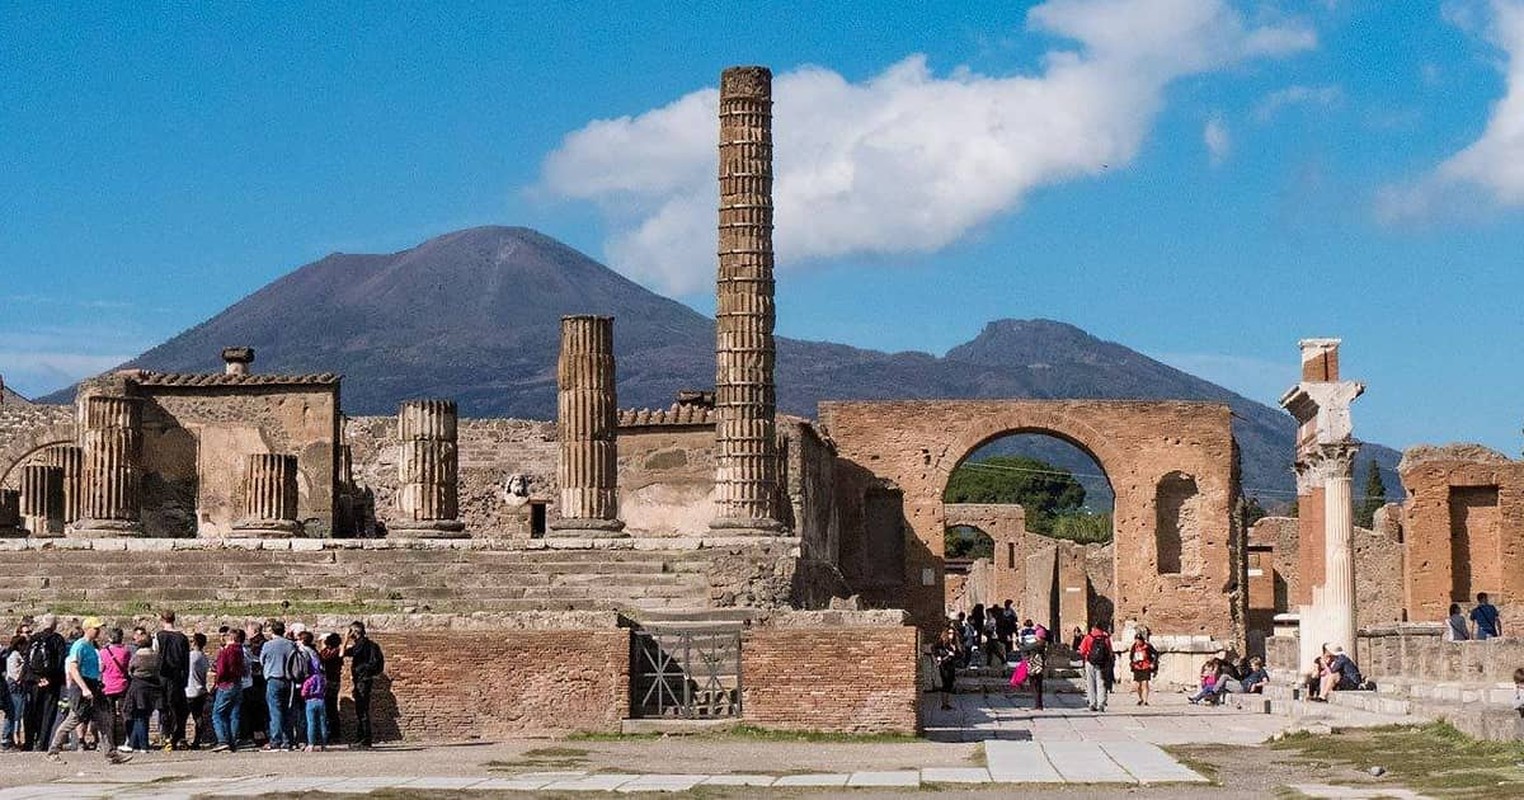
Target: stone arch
<point>1177,525</point>
<point>27,444</point>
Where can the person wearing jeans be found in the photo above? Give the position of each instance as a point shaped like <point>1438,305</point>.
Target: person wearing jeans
<point>16,691</point>
<point>273,655</point>
<point>227,682</point>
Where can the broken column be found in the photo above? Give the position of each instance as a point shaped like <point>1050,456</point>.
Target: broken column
<point>269,496</point>
<point>746,470</point>
<point>42,500</point>
<point>71,459</point>
<point>10,513</point>
<point>1324,463</point>
<point>428,470</point>
<point>587,422</point>
<point>112,443</point>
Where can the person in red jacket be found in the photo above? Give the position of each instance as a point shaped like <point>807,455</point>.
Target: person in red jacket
<point>1143,660</point>
<point>1100,662</point>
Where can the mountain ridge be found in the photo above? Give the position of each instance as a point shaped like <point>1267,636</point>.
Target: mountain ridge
<point>474,315</point>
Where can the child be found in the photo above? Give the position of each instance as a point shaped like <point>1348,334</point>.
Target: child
<point>314,694</point>
<point>1208,681</point>
<point>1518,691</point>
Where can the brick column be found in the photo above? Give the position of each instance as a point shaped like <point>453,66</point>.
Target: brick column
<point>112,443</point>
<point>269,496</point>
<point>587,422</point>
<point>10,513</point>
<point>746,446</point>
<point>428,469</point>
<point>71,459</point>
<point>42,500</point>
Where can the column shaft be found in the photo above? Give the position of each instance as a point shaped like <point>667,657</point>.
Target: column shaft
<point>746,473</point>
<point>71,459</point>
<point>112,442</point>
<point>587,421</point>
<point>41,502</point>
<point>270,497</point>
<point>428,470</point>
<point>1339,563</point>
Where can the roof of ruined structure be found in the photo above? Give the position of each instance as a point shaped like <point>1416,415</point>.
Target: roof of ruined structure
<point>676,414</point>
<point>215,379</point>
<point>1451,452</point>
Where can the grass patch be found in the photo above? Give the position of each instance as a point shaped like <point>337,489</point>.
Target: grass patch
<point>978,757</point>
<point>1434,759</point>
<point>1189,755</point>
<point>542,759</point>
<point>750,733</point>
<point>123,609</point>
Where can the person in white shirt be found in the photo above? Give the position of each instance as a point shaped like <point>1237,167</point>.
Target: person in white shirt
<point>196,693</point>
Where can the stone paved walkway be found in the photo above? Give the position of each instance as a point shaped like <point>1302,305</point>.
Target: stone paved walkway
<point>1129,763</point>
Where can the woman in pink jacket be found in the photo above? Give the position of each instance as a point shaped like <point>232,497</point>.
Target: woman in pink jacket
<point>115,657</point>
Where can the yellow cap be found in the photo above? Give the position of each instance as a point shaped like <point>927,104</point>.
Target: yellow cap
<point>91,622</point>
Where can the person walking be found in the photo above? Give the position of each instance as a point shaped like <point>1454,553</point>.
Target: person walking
<point>46,653</point>
<point>1456,627</point>
<point>1100,661</point>
<point>82,672</point>
<point>1037,662</point>
<point>17,692</point>
<point>945,655</point>
<point>1143,660</point>
<point>273,656</point>
<point>196,691</point>
<point>1485,615</point>
<point>174,672</point>
<point>227,682</point>
<point>366,663</point>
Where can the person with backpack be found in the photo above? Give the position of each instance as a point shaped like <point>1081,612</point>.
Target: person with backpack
<point>314,695</point>
<point>46,652</point>
<point>366,663</point>
<point>1143,660</point>
<point>298,668</point>
<point>273,655</point>
<point>1100,662</point>
<point>174,672</point>
<point>16,691</point>
<point>82,668</point>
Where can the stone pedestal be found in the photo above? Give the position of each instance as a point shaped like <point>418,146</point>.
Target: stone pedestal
<point>270,496</point>
<point>427,467</point>
<point>10,514</point>
<point>71,459</point>
<point>42,500</point>
<point>112,444</point>
<point>587,423</point>
<point>746,445</point>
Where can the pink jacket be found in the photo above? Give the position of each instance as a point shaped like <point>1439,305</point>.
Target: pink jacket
<point>114,660</point>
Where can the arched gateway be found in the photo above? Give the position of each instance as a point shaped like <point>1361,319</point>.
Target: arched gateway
<point>1177,555</point>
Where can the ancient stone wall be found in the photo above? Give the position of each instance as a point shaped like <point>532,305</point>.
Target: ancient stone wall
<point>666,480</point>
<point>1418,652</point>
<point>915,445</point>
<point>1378,568</point>
<point>815,673</point>
<point>1464,529</point>
<point>25,429</point>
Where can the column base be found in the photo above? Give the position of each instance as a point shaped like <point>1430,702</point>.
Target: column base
<point>104,528</point>
<point>428,529</point>
<point>587,529</point>
<point>268,528</point>
<point>42,527</point>
<point>741,526</point>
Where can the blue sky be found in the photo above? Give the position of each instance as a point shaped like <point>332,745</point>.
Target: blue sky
<point>1203,181</point>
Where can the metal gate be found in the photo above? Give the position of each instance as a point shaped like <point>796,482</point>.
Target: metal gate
<point>686,673</point>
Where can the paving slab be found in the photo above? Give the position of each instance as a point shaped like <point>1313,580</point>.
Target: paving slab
<point>590,783</point>
<point>906,777</point>
<point>1149,764</point>
<point>814,779</point>
<point>955,775</point>
<point>739,780</point>
<point>1085,762</point>
<point>443,783</point>
<point>662,783</point>
<point>1019,762</point>
<point>364,785</point>
<point>1324,791</point>
<point>520,784</point>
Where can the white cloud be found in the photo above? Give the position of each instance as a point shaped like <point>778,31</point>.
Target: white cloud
<point>1494,163</point>
<point>1218,141</point>
<point>1280,99</point>
<point>906,161</point>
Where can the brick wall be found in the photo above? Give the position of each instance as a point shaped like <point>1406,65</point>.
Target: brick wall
<point>856,679</point>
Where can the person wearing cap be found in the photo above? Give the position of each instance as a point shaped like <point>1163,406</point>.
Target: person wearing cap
<point>82,671</point>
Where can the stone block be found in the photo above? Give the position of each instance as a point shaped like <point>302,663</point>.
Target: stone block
<point>150,545</point>
<point>305,545</point>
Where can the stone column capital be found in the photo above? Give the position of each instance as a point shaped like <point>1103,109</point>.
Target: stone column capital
<point>1336,460</point>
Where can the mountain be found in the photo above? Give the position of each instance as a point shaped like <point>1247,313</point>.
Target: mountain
<point>474,315</point>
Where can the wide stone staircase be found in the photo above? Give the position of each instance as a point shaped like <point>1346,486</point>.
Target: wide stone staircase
<point>1482,711</point>
<point>443,580</point>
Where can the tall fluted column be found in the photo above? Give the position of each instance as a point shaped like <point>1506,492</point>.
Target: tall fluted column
<point>10,513</point>
<point>269,496</point>
<point>71,459</point>
<point>1338,609</point>
<point>112,442</point>
<point>42,500</point>
<point>746,447</point>
<point>587,422</point>
<point>428,469</point>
